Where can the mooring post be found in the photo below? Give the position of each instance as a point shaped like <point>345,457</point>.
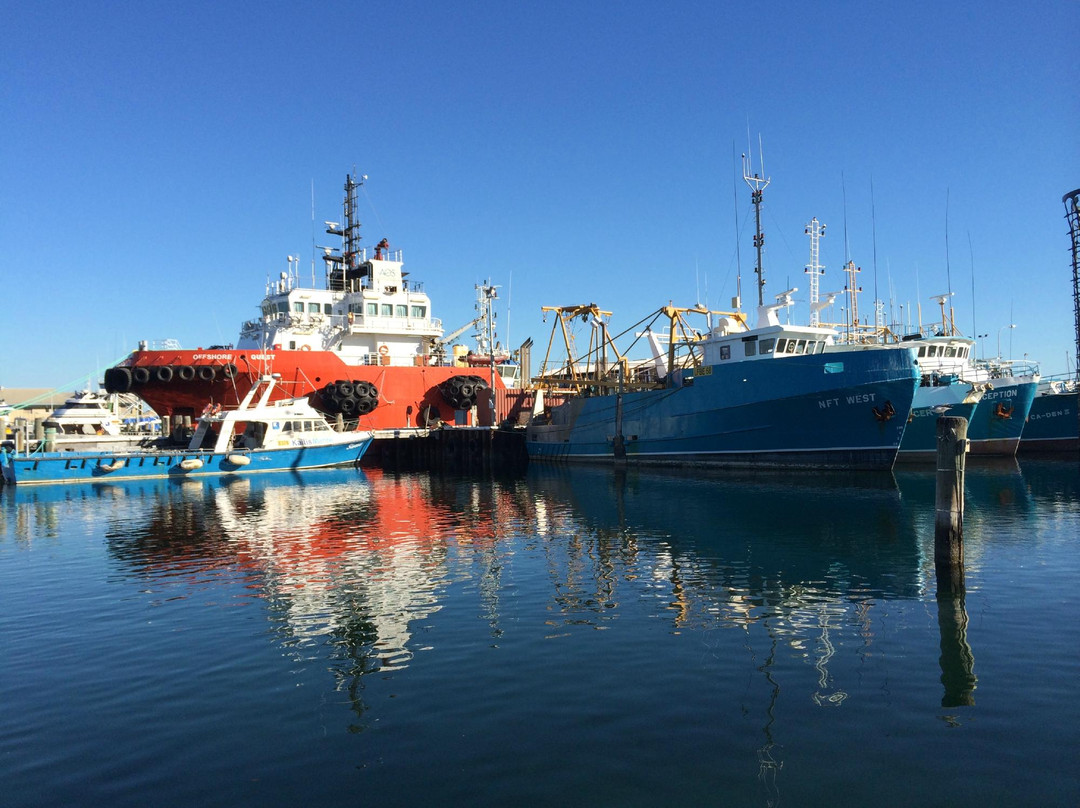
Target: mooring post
<point>952,446</point>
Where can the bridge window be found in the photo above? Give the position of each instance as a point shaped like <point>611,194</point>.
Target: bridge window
<point>313,308</point>
<point>767,345</point>
<point>750,348</point>
<point>400,310</point>
<point>372,309</point>
<point>298,307</point>
<point>419,312</point>
<point>386,310</point>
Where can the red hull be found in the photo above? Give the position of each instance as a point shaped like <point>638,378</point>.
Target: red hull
<point>403,391</point>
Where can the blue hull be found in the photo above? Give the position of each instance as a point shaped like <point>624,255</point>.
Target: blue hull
<point>998,422</point>
<point>43,468</point>
<point>844,410</point>
<point>920,436</point>
<point>1052,425</point>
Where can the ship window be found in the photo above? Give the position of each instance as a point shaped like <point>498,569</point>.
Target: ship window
<point>298,307</point>
<point>931,350</point>
<point>922,350</point>
<point>767,345</point>
<point>283,307</point>
<point>327,309</point>
<point>400,310</point>
<point>372,309</point>
<point>292,345</point>
<point>781,344</point>
<point>313,308</point>
<point>790,346</point>
<point>950,351</point>
<point>750,348</point>
<point>419,311</point>
<point>386,310</point>
<point>963,352</point>
<point>725,352</point>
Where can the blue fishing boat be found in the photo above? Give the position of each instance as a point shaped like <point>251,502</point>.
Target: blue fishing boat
<point>771,395</point>
<point>1052,424</point>
<point>260,435</point>
<point>740,397</point>
<point>994,395</point>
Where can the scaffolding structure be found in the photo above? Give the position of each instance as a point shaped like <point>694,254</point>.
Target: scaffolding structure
<point>1072,215</point>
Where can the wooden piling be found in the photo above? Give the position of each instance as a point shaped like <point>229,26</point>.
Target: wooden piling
<point>949,500</point>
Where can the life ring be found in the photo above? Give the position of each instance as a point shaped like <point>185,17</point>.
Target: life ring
<point>305,347</point>
<point>384,350</point>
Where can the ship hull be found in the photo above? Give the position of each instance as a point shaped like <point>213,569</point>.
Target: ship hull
<point>1052,425</point>
<point>408,396</point>
<point>845,410</point>
<point>920,436</point>
<point>46,468</point>
<point>998,422</point>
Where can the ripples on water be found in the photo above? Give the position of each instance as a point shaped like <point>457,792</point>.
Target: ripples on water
<point>575,636</point>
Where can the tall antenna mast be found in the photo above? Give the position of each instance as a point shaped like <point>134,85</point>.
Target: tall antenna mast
<point>736,303</point>
<point>948,271</point>
<point>757,185</point>
<point>814,269</point>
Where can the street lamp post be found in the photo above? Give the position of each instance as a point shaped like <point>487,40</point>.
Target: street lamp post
<point>1010,325</point>
<point>982,345</point>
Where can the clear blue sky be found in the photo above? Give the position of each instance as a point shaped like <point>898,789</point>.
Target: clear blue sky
<point>157,159</point>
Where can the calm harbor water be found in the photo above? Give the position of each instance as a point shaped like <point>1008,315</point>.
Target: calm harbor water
<point>570,637</point>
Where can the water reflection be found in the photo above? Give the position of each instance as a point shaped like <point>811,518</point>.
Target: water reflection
<point>790,580</point>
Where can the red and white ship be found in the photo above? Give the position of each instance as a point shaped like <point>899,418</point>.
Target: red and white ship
<point>366,347</point>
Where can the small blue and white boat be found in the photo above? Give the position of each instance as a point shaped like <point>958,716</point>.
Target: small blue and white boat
<point>259,435</point>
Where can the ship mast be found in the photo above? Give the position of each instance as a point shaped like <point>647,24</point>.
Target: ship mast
<point>814,269</point>
<point>343,268</point>
<point>757,185</point>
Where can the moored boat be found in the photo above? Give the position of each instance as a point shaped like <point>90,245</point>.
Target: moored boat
<point>261,434</point>
<point>774,395</point>
<point>769,396</point>
<point>89,420</point>
<point>1052,425</point>
<point>366,346</point>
